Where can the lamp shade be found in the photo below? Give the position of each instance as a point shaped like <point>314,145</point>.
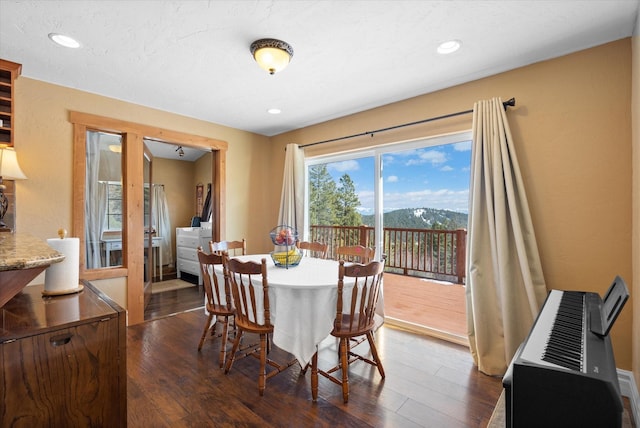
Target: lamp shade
<point>271,54</point>
<point>9,168</point>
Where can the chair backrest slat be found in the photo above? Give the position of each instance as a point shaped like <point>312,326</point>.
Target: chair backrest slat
<point>233,248</point>
<point>364,294</point>
<point>216,294</point>
<point>252,306</point>
<point>355,253</point>
<point>313,249</point>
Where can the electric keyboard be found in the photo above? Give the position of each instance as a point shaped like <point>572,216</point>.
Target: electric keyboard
<point>564,373</point>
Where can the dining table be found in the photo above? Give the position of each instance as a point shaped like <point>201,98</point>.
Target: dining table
<point>302,301</point>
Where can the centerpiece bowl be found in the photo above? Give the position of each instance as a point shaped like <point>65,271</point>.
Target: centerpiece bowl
<point>285,252</point>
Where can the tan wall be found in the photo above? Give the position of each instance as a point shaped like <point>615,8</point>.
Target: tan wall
<point>572,128</point>
<point>635,121</point>
<point>177,177</point>
<point>43,140</point>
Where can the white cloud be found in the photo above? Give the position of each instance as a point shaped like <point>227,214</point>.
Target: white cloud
<point>434,157</point>
<point>392,179</point>
<point>446,168</point>
<point>465,146</point>
<point>344,166</point>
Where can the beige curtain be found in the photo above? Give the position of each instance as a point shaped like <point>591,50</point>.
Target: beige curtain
<point>505,283</point>
<point>292,199</point>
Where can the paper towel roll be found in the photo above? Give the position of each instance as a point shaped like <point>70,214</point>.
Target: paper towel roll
<point>64,275</point>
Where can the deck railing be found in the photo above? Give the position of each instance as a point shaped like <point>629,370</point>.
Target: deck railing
<point>417,252</point>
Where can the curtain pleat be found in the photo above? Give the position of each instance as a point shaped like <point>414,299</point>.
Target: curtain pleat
<point>161,220</point>
<point>95,203</point>
<point>505,283</point>
<point>292,198</point>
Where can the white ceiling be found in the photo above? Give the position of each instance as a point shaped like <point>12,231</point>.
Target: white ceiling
<point>192,57</point>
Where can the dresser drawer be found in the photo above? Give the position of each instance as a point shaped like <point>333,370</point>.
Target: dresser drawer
<point>189,266</point>
<point>114,246</point>
<point>194,232</point>
<point>188,254</point>
<point>188,241</point>
<point>188,231</point>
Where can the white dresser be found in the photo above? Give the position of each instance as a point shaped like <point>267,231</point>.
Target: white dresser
<point>188,239</point>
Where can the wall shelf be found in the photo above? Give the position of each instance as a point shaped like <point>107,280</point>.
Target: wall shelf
<point>9,71</point>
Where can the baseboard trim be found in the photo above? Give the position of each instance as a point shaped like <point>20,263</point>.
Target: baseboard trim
<point>629,389</point>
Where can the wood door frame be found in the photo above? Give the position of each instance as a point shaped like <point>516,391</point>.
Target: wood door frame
<point>133,196</point>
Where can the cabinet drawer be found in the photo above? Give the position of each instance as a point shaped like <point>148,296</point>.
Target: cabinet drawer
<point>79,386</point>
<point>188,241</point>
<point>188,254</point>
<point>189,266</point>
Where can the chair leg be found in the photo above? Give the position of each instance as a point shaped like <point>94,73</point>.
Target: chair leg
<point>262,376</point>
<point>314,376</point>
<point>232,357</point>
<point>223,340</point>
<point>344,362</point>
<point>374,354</point>
<point>207,326</point>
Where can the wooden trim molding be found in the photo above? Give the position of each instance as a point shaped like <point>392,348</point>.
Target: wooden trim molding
<point>132,175</point>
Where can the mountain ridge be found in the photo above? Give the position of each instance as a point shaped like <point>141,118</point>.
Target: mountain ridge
<point>421,218</point>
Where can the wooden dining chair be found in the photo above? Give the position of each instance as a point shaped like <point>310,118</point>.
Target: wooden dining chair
<point>233,248</point>
<point>355,253</point>
<point>218,300</point>
<point>313,249</point>
<point>252,315</point>
<point>355,311</point>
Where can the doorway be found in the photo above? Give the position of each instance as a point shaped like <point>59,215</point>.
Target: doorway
<point>125,282</point>
<point>179,173</point>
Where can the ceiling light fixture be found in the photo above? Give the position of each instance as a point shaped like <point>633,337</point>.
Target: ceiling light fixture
<point>274,111</point>
<point>180,151</point>
<point>66,41</point>
<point>449,46</point>
<point>271,54</point>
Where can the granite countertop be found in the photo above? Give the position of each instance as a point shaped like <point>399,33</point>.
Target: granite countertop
<point>20,251</point>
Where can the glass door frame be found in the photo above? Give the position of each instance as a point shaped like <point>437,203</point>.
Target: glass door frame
<point>133,136</point>
<point>377,153</point>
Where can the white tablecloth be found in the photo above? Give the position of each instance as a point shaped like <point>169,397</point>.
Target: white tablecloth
<point>302,301</point>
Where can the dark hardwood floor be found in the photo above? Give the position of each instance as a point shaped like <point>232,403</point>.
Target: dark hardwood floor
<point>175,301</point>
<point>429,383</point>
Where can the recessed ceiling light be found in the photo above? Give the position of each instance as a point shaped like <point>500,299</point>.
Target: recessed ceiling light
<point>274,111</point>
<point>449,46</point>
<point>66,41</point>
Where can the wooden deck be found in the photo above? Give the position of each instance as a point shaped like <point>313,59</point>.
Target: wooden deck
<point>431,307</point>
<point>422,306</point>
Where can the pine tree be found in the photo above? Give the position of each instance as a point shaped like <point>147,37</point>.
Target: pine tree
<point>322,196</point>
<point>346,203</point>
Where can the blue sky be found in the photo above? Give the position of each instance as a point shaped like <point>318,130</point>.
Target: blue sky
<point>431,177</point>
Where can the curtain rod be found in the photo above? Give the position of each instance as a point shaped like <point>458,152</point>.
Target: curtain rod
<point>505,104</point>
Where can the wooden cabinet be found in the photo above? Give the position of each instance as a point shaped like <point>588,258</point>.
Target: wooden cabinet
<point>188,239</point>
<point>9,71</point>
<point>63,360</point>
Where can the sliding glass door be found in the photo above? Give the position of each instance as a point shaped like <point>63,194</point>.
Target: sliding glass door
<point>408,200</point>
